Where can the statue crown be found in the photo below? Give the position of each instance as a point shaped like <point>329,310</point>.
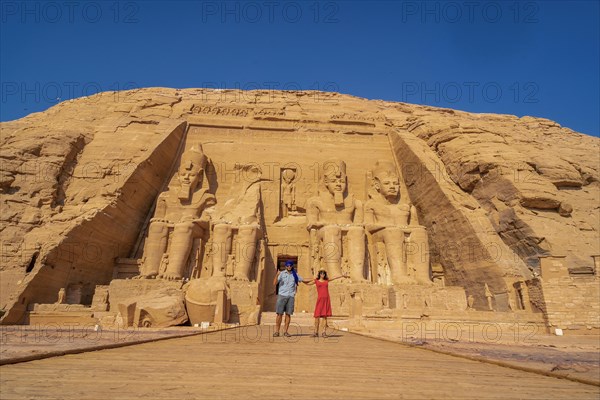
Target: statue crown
<point>195,155</point>
<point>384,167</point>
<point>334,168</point>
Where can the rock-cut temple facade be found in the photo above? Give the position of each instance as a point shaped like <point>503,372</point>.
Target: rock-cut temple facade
<point>162,207</point>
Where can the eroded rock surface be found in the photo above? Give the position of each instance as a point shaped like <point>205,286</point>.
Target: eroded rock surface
<point>79,181</point>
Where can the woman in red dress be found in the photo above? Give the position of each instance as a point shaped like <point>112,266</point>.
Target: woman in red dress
<point>323,306</point>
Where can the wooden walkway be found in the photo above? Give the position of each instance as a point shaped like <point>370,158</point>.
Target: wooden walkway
<point>248,363</point>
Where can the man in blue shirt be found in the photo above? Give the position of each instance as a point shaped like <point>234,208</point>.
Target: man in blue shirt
<point>288,281</point>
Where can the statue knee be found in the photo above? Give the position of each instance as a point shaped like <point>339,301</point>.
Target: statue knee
<point>184,227</point>
<point>246,233</point>
<point>331,230</point>
<point>356,232</point>
<point>221,230</point>
<point>157,228</point>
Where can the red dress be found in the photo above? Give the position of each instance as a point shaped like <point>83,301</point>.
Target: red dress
<point>323,306</point>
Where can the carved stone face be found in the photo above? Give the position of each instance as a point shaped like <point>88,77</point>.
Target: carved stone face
<point>335,183</point>
<point>388,185</point>
<point>288,175</point>
<point>189,175</point>
<point>334,180</point>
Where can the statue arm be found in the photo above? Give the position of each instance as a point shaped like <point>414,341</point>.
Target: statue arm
<point>251,213</point>
<point>369,217</point>
<point>312,215</point>
<point>359,215</point>
<point>413,217</point>
<point>161,208</point>
<point>207,208</point>
<point>369,214</point>
<point>223,211</point>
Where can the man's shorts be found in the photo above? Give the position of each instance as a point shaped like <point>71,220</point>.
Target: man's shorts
<point>285,304</point>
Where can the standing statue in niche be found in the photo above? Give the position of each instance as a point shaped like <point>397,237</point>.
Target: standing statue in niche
<point>470,303</point>
<point>61,296</point>
<point>488,296</point>
<point>288,191</point>
<point>180,209</point>
<point>333,213</point>
<point>393,223</point>
<point>241,213</point>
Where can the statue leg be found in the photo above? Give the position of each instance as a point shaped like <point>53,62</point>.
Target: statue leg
<point>155,247</point>
<point>417,254</point>
<point>393,237</point>
<point>221,248</point>
<point>356,253</point>
<point>332,249</point>
<point>284,209</point>
<point>179,251</point>
<point>246,240</point>
<point>314,251</point>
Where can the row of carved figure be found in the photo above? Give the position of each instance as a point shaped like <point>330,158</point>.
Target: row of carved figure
<point>188,210</point>
<point>337,222</point>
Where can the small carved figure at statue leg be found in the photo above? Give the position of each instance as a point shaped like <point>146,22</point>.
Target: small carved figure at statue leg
<point>221,248</point>
<point>247,239</point>
<point>489,296</point>
<point>156,245</point>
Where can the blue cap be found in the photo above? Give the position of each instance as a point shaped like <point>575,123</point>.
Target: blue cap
<point>289,263</point>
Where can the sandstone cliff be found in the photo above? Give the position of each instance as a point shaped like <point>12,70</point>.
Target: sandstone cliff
<point>495,191</point>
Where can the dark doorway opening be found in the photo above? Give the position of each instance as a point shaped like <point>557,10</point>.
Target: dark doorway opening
<point>32,263</point>
<point>281,260</point>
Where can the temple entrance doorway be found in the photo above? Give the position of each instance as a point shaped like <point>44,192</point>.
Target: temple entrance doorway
<point>282,259</point>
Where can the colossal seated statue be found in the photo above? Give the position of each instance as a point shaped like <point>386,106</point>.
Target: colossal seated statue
<point>394,223</point>
<point>180,210</point>
<point>333,214</point>
<point>239,215</point>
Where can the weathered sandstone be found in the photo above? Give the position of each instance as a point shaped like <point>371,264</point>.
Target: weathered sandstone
<point>80,186</point>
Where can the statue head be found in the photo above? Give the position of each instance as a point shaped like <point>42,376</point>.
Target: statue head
<point>334,179</point>
<point>288,175</point>
<point>191,170</point>
<point>386,181</point>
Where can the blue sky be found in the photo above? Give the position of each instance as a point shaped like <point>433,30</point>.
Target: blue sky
<point>538,58</point>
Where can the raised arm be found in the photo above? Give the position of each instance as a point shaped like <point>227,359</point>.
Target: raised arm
<point>338,277</point>
<point>276,278</point>
<point>310,281</point>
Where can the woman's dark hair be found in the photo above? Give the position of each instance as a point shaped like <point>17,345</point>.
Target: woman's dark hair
<point>324,272</point>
